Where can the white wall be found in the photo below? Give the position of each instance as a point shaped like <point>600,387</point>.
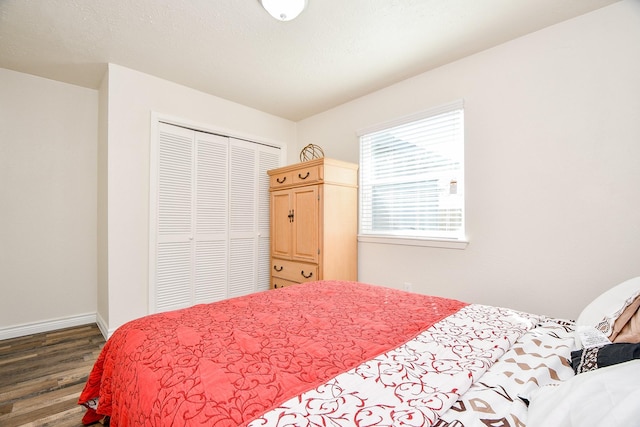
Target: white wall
<point>132,97</point>
<point>553,191</point>
<point>48,150</point>
<point>102,317</point>
<point>552,166</point>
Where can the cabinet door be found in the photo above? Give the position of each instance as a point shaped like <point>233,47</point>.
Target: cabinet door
<point>305,209</point>
<point>281,224</point>
<point>249,221</point>
<point>268,159</point>
<point>211,218</point>
<point>171,271</point>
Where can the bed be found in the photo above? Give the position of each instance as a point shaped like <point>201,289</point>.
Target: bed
<point>337,353</point>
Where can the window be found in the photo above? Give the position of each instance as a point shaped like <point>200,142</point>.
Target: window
<point>412,176</point>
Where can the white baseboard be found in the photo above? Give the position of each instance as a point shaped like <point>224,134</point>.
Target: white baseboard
<point>104,328</point>
<point>47,325</point>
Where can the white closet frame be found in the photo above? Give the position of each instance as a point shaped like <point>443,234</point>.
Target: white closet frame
<point>208,216</point>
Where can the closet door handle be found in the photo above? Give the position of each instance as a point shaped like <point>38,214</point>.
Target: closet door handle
<point>290,216</point>
<point>305,276</point>
<point>303,177</point>
<point>283,180</point>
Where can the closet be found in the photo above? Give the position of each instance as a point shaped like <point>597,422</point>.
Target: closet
<point>209,217</point>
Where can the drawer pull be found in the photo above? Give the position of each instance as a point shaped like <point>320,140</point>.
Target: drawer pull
<point>275,267</point>
<point>303,177</point>
<point>283,180</point>
<point>305,276</point>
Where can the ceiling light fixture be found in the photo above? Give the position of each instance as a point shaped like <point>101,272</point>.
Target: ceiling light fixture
<point>284,10</point>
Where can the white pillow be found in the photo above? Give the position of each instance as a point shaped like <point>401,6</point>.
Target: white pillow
<point>603,311</point>
<point>604,397</point>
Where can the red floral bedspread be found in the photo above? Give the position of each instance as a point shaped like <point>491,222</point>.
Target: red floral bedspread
<point>228,362</point>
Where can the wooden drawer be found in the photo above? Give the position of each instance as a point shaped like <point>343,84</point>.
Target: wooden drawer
<point>294,271</point>
<point>284,179</point>
<point>308,175</point>
<point>277,282</point>
<point>297,175</point>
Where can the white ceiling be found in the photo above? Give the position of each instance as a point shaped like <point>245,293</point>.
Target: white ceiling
<point>335,51</point>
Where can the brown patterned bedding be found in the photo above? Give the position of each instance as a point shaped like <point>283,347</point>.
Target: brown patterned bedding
<point>500,398</point>
<point>467,370</point>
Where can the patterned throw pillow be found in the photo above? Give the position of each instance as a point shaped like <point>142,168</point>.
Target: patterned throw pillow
<point>590,359</point>
<point>604,310</point>
<point>629,331</point>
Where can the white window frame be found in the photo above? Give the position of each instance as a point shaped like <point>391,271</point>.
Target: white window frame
<point>450,184</point>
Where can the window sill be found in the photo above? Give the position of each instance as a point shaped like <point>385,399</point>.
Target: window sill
<point>414,241</point>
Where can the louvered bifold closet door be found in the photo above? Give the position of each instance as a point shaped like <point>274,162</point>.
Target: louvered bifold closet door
<point>268,158</point>
<point>191,249</point>
<point>249,223</point>
<point>242,229</point>
<point>173,264</point>
<point>211,218</point>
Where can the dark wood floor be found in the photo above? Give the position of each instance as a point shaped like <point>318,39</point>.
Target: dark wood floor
<point>42,375</point>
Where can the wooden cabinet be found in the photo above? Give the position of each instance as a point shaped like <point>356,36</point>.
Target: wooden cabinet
<point>314,222</point>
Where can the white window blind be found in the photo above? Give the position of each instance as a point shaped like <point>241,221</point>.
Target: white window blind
<point>412,176</point>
